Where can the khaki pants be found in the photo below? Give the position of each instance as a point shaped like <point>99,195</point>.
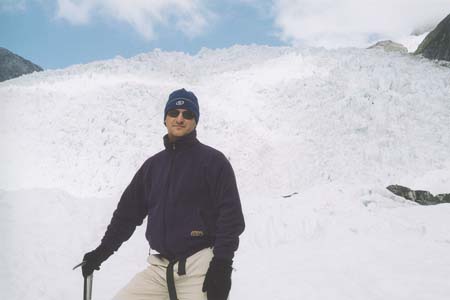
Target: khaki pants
<point>151,284</point>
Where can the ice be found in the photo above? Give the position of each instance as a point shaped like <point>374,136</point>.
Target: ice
<point>331,128</point>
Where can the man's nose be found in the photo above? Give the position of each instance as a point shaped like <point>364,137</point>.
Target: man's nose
<point>180,118</point>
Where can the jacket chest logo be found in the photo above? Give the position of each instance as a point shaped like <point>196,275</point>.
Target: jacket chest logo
<point>197,233</point>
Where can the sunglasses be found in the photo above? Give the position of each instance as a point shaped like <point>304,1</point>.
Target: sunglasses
<point>187,114</point>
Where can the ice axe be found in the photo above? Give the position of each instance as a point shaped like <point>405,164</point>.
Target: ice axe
<point>87,289</point>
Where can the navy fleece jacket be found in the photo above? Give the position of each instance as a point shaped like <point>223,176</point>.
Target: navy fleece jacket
<point>189,193</point>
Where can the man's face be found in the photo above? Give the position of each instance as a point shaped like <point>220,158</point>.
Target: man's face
<point>178,126</point>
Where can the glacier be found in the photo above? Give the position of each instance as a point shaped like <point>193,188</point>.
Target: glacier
<point>331,128</point>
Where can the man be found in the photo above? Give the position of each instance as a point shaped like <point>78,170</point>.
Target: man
<point>188,192</point>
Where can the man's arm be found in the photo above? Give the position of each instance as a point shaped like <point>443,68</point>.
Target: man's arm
<point>130,212</point>
<point>230,222</point>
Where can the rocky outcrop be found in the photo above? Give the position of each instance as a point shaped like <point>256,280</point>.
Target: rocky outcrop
<point>436,44</point>
<point>12,65</point>
<point>389,46</point>
<point>421,197</point>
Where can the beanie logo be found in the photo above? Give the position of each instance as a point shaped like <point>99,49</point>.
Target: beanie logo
<point>179,102</point>
<point>197,233</point>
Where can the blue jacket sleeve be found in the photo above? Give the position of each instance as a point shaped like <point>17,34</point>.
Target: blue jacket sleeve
<point>130,212</point>
<point>230,221</point>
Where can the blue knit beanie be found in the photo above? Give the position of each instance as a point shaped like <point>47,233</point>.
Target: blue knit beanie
<point>183,99</point>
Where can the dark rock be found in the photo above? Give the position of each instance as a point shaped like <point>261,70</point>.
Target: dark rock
<point>436,44</point>
<point>12,65</point>
<point>389,46</point>
<point>290,195</point>
<point>425,198</point>
<point>444,198</point>
<point>421,197</point>
<point>401,191</point>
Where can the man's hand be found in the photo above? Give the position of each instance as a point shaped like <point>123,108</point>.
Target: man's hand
<point>217,282</point>
<point>92,260</point>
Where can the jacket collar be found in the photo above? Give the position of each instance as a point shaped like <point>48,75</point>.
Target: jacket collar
<point>182,142</point>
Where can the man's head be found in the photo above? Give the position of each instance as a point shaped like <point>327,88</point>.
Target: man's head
<point>181,113</point>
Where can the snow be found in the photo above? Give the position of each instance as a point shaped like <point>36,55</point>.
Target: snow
<point>412,42</point>
<point>332,128</point>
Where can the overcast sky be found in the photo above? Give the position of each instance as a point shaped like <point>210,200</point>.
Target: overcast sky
<point>59,33</point>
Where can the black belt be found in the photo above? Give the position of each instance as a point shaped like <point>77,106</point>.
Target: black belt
<point>169,276</point>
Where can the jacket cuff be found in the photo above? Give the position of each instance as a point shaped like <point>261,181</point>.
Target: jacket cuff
<point>221,261</point>
<point>223,254</point>
<point>103,253</point>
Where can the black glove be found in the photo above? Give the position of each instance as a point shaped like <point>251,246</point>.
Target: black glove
<point>217,282</point>
<point>92,260</point>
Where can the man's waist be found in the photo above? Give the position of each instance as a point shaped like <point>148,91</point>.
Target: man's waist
<point>172,254</point>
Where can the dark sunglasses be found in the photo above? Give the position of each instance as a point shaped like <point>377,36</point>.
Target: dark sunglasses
<point>187,114</point>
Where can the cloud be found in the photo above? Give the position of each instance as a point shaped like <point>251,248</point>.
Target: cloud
<point>12,5</point>
<point>188,16</point>
<point>75,12</point>
<point>358,23</point>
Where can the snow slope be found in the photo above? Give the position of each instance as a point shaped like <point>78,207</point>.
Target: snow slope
<point>335,127</point>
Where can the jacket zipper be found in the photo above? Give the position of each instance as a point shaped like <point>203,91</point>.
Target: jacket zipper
<point>169,177</point>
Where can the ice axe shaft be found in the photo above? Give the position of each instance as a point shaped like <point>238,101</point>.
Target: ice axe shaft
<point>87,290</point>
<point>87,287</point>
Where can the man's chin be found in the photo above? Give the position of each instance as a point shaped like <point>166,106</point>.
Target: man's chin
<point>178,134</point>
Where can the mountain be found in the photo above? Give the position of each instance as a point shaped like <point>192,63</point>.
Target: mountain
<point>314,136</point>
<point>389,46</point>
<point>13,65</point>
<point>436,44</point>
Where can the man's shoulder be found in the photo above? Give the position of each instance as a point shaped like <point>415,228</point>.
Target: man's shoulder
<point>211,150</point>
<point>213,154</point>
<point>157,155</point>
<point>152,158</point>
